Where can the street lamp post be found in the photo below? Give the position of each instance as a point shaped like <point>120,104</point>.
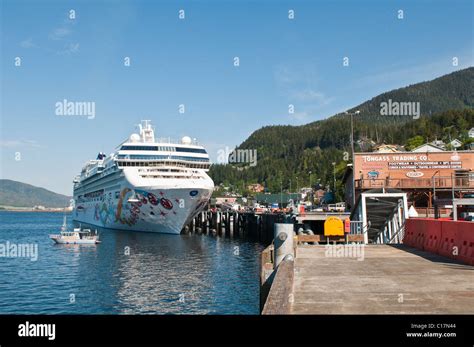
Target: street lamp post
<point>297,189</point>
<point>281,191</point>
<point>353,159</point>
<point>334,172</point>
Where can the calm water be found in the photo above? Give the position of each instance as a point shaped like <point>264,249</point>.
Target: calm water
<point>177,274</point>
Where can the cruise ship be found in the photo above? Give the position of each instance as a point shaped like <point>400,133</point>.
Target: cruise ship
<point>147,184</point>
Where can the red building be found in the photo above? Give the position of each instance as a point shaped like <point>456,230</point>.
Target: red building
<point>422,175</point>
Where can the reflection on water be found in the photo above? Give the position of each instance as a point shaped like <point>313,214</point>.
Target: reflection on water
<point>127,273</point>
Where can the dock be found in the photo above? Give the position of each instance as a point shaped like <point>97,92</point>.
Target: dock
<point>232,223</point>
<point>320,216</point>
<point>430,272</point>
<point>259,226</point>
<point>389,280</point>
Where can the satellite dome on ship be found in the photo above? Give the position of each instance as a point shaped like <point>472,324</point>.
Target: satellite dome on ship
<point>186,140</point>
<point>134,138</point>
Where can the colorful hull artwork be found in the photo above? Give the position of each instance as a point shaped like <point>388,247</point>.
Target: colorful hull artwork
<point>164,211</point>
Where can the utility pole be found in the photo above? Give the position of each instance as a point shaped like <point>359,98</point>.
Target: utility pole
<point>352,150</point>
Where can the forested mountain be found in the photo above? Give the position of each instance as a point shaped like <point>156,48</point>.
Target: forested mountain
<point>18,194</point>
<point>287,154</point>
<point>454,91</point>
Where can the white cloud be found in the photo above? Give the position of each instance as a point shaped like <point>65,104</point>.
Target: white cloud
<point>300,87</point>
<point>28,43</point>
<point>300,116</point>
<point>59,33</point>
<point>310,95</point>
<point>19,143</point>
<point>306,94</point>
<point>401,76</point>
<point>70,48</point>
<point>283,75</point>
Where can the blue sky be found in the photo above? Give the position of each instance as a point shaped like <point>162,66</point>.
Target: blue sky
<point>191,62</point>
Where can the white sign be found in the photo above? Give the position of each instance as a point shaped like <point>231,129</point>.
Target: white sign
<point>414,174</point>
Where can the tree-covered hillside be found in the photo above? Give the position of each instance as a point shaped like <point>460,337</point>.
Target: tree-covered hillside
<point>292,155</point>
<point>18,194</point>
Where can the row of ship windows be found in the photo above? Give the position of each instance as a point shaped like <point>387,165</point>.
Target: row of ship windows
<point>166,170</point>
<point>160,157</point>
<point>147,163</point>
<point>97,196</point>
<point>163,148</point>
<point>163,170</point>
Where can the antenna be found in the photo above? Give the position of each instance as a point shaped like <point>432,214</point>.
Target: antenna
<point>146,131</point>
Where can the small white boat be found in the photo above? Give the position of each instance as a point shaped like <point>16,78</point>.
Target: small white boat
<point>77,236</point>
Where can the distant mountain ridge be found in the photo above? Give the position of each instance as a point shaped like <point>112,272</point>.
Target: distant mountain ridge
<point>18,194</point>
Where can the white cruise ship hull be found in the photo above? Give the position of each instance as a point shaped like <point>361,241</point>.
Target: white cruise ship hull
<point>149,209</point>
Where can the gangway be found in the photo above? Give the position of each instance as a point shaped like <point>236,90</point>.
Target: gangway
<point>384,212</point>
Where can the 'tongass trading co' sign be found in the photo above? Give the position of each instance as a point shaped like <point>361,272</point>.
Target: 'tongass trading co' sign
<point>412,165</point>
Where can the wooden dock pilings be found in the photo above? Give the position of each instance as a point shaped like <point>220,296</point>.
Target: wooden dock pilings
<point>232,223</point>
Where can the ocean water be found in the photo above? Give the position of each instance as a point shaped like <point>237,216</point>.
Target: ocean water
<point>162,274</point>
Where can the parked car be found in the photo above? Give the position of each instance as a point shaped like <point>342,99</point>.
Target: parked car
<point>337,207</point>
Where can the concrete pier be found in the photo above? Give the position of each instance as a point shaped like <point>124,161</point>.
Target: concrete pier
<point>388,279</point>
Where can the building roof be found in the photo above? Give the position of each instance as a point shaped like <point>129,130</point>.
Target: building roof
<point>456,143</point>
<point>388,148</point>
<point>428,147</point>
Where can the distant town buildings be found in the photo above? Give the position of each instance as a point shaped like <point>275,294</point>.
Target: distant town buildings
<point>455,143</point>
<point>277,198</point>
<point>439,143</point>
<point>365,144</point>
<point>256,188</point>
<point>471,133</point>
<point>225,199</point>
